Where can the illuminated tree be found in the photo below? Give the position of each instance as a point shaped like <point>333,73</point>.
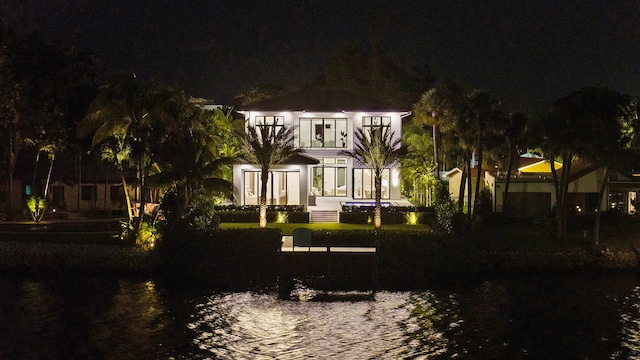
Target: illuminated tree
<point>417,167</point>
<point>378,149</point>
<point>125,106</point>
<point>193,148</point>
<point>267,146</point>
<point>440,108</point>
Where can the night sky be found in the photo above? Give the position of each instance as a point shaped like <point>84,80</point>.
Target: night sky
<point>528,52</point>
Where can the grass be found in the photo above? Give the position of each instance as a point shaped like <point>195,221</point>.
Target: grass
<point>287,229</point>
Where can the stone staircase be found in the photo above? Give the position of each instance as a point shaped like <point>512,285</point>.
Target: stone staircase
<point>323,216</point>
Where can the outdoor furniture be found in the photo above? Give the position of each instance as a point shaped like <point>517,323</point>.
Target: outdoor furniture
<point>302,237</point>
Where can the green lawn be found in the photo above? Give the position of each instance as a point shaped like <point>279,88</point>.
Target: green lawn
<point>287,229</point>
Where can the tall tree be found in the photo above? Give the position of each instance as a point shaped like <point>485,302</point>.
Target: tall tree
<point>482,105</point>
<point>603,121</point>
<point>584,124</point>
<point>513,132</point>
<point>116,151</point>
<point>267,146</point>
<point>38,84</point>
<point>125,105</point>
<point>193,149</point>
<point>378,149</point>
<point>417,166</point>
<point>440,108</point>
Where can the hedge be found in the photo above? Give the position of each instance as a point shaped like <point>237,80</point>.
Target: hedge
<point>231,258</point>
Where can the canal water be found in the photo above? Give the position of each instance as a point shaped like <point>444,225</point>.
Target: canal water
<point>524,317</point>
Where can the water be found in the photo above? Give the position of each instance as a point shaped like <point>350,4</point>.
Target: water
<point>533,317</point>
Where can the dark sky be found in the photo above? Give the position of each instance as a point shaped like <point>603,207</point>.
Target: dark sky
<point>528,52</point>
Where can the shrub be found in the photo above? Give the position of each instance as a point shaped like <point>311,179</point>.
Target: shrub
<point>37,207</point>
<point>446,214</point>
<point>146,236</point>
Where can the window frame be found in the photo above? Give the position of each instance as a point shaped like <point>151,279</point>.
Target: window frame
<point>308,126</point>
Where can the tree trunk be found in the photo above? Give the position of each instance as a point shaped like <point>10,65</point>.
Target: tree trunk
<point>142,191</point>
<point>434,131</point>
<point>35,174</point>
<point>469,199</point>
<point>507,182</point>
<point>79,194</point>
<point>479,175</point>
<point>46,184</point>
<point>14,150</point>
<point>463,183</point>
<point>127,196</point>
<point>264,178</point>
<point>556,186</point>
<point>596,224</point>
<point>566,171</point>
<point>377,214</point>
<point>106,182</point>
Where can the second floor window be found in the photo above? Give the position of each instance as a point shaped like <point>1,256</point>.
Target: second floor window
<point>277,122</point>
<point>322,133</point>
<point>369,123</point>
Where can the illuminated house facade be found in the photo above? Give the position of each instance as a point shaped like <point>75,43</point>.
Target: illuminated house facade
<point>321,177</point>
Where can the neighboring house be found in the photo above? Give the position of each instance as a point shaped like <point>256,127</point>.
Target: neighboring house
<point>532,192</point>
<point>454,177</point>
<point>96,191</point>
<point>324,124</point>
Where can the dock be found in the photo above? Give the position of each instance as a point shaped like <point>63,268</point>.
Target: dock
<point>328,267</point>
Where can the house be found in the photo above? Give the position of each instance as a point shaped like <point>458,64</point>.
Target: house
<point>92,189</point>
<point>320,179</point>
<point>454,177</point>
<point>532,191</point>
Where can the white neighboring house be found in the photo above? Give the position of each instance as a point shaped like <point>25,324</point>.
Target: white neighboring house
<point>320,179</point>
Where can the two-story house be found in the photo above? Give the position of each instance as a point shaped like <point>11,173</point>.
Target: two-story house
<point>320,179</point>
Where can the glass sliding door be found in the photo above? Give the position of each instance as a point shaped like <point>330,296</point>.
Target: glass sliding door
<point>283,188</point>
<point>364,186</point>
<point>329,181</point>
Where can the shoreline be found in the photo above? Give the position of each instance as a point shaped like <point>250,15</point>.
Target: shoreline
<point>52,258</point>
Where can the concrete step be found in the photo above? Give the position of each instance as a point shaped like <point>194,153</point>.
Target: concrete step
<point>323,216</point>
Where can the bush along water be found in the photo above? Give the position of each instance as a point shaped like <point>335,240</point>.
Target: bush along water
<point>193,250</point>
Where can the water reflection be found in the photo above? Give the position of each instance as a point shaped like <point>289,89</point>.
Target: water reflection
<point>630,319</point>
<point>578,316</point>
<point>259,326</point>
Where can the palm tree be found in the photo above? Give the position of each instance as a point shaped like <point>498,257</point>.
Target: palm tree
<point>481,105</point>
<point>378,149</point>
<point>124,106</point>
<point>439,107</point>
<point>513,132</point>
<point>191,153</point>
<point>417,167</point>
<point>267,146</point>
<point>115,151</point>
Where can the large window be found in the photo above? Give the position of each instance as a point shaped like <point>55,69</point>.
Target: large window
<point>283,188</point>
<point>364,186</point>
<point>329,179</point>
<point>375,122</point>
<point>275,122</point>
<point>322,133</point>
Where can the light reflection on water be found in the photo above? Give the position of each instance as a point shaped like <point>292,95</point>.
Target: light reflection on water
<point>261,326</point>
<point>537,317</point>
<point>630,347</point>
